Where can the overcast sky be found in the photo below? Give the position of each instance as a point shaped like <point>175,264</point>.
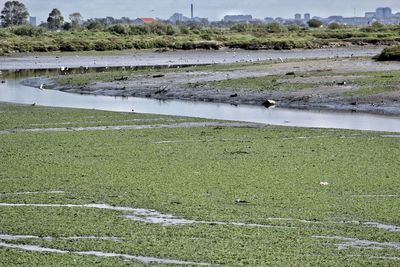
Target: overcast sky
<point>213,9</point>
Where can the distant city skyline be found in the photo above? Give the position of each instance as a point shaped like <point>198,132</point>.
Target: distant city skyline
<point>214,10</point>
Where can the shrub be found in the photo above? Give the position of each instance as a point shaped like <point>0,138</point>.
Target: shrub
<point>27,30</point>
<point>119,29</point>
<point>390,53</point>
<point>334,26</point>
<point>314,23</point>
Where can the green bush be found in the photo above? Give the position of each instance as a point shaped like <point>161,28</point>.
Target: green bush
<point>119,29</point>
<point>390,53</point>
<point>27,30</point>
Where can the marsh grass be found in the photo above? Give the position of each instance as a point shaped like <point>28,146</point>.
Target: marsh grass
<point>201,179</point>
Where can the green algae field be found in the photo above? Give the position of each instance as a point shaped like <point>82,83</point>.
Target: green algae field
<point>218,194</point>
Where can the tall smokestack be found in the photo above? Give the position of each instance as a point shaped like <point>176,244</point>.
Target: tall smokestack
<point>191,9</point>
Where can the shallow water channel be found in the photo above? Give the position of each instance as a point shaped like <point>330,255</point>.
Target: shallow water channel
<point>13,91</point>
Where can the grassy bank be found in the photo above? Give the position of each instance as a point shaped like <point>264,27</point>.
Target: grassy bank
<point>390,53</point>
<point>120,37</point>
<point>267,176</point>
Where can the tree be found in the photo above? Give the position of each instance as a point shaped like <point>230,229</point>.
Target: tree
<point>13,13</point>
<point>55,19</point>
<point>314,23</point>
<point>334,26</point>
<point>76,19</point>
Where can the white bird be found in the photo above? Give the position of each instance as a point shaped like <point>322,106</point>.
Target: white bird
<point>41,86</point>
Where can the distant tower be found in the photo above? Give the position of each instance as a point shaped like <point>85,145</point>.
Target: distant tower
<point>32,21</point>
<point>191,11</point>
<point>297,16</point>
<point>307,16</point>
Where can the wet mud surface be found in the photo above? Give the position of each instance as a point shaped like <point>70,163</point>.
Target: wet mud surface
<point>333,92</point>
<point>146,58</point>
<point>135,127</point>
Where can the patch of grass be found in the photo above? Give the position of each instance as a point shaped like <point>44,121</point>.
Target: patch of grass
<point>390,53</point>
<point>375,83</point>
<point>26,117</point>
<point>199,176</point>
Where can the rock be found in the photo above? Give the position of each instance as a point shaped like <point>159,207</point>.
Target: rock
<point>290,74</point>
<point>121,79</point>
<point>324,183</point>
<point>158,75</point>
<point>269,103</point>
<point>241,201</point>
<point>3,81</point>
<point>233,95</point>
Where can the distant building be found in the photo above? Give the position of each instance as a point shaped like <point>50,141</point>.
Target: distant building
<point>383,13</point>
<point>32,21</point>
<point>238,18</point>
<point>370,15</point>
<point>337,19</point>
<point>307,16</point>
<point>297,16</point>
<point>178,17</point>
<point>357,21</point>
<point>269,20</point>
<point>142,21</point>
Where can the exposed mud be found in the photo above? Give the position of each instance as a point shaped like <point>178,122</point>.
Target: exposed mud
<point>141,58</point>
<point>49,238</point>
<point>347,243</point>
<point>333,92</point>
<point>135,127</point>
<point>142,259</point>
<point>145,215</point>
<point>386,227</point>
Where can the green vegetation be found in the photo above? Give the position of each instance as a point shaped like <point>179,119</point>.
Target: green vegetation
<point>248,175</point>
<point>390,53</point>
<point>371,83</point>
<point>94,36</point>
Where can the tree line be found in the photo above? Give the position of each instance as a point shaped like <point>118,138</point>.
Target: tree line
<point>15,13</point>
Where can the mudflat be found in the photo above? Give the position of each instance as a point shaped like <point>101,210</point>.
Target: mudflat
<point>331,79</point>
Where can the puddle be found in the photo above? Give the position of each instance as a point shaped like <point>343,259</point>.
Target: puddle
<point>49,238</point>
<point>155,217</point>
<point>292,220</point>
<point>347,243</point>
<point>391,136</point>
<point>134,127</point>
<point>18,237</point>
<point>386,227</point>
<point>143,259</point>
<point>104,238</point>
<point>34,193</point>
<point>146,215</point>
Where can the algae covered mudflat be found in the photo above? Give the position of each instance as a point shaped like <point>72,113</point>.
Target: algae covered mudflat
<point>218,195</point>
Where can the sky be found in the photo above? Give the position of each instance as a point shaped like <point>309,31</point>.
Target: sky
<point>213,9</point>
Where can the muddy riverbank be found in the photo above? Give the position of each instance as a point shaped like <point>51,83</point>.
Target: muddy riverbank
<point>149,58</point>
<point>331,84</point>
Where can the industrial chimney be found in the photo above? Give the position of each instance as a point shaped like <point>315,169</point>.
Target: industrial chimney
<point>191,10</point>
